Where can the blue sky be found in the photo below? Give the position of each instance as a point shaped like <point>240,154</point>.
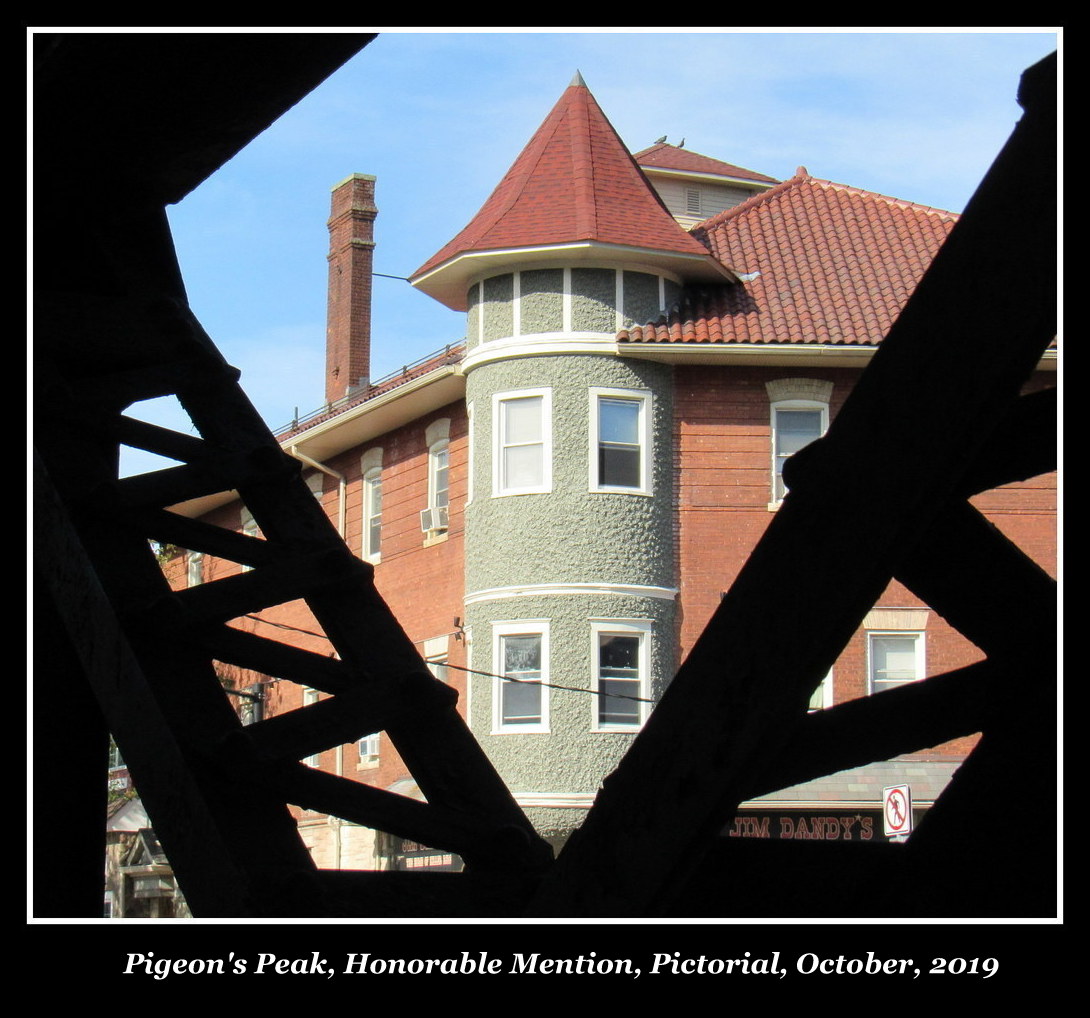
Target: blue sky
<point>439,117</point>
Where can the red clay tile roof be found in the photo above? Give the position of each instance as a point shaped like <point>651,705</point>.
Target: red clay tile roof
<point>670,157</point>
<point>834,264</point>
<point>574,181</point>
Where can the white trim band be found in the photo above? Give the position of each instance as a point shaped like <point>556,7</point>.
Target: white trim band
<point>556,800</point>
<point>566,589</point>
<point>542,344</point>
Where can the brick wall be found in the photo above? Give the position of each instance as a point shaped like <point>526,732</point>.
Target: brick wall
<point>422,583</point>
<point>723,489</point>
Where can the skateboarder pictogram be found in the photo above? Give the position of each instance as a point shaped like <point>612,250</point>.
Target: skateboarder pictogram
<point>898,809</point>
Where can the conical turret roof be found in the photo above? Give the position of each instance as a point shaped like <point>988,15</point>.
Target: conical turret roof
<point>575,183</point>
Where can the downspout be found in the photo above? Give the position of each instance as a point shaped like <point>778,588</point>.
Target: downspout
<point>341,484</point>
<point>337,822</point>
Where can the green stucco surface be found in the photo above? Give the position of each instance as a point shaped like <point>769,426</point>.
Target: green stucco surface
<point>498,316</point>
<point>641,297</point>
<point>594,300</point>
<point>473,316</point>
<point>569,534</point>
<point>542,300</point>
<point>570,757</point>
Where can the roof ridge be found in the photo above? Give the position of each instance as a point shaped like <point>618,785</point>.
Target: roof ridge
<point>804,178</point>
<point>901,202</point>
<point>677,156</point>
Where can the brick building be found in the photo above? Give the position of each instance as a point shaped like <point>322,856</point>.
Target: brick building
<point>555,506</point>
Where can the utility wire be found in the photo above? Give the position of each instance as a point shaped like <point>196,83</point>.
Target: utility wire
<point>471,671</point>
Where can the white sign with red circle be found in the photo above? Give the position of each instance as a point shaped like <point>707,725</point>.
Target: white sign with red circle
<point>897,810</point>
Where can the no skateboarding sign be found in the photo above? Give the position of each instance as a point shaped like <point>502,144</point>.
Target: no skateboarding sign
<point>897,810</point>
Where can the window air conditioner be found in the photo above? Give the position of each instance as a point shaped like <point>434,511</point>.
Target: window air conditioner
<point>434,518</point>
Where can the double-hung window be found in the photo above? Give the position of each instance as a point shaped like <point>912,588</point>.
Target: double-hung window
<point>435,520</point>
<point>520,698</point>
<point>799,410</point>
<point>372,514</point>
<point>894,659</point>
<point>194,569</point>
<point>439,475</point>
<point>620,656</point>
<point>794,426</point>
<point>522,453</point>
<point>620,439</point>
<point>311,696</point>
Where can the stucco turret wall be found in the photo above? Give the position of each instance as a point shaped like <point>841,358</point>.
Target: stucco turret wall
<point>571,560</point>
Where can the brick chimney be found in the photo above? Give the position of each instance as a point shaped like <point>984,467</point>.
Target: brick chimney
<point>351,255</point>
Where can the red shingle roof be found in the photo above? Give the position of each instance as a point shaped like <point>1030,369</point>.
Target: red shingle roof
<point>834,264</point>
<point>670,157</point>
<point>574,181</point>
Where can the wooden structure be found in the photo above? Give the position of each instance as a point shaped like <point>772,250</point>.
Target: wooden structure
<point>134,658</point>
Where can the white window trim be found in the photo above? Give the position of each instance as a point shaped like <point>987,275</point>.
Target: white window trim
<point>469,453</point>
<point>250,528</point>
<point>645,400</point>
<point>311,696</point>
<point>436,654</point>
<point>434,451</point>
<point>644,629</point>
<point>437,438</point>
<point>526,627</point>
<point>194,569</point>
<point>372,478</point>
<point>368,749</point>
<point>790,404</point>
<point>921,654</point>
<point>826,689</point>
<point>467,637</point>
<point>546,485</point>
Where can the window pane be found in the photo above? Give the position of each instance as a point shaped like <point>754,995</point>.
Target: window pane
<point>522,661</point>
<point>374,516</point>
<point>521,703</point>
<point>522,466</point>
<point>796,429</point>
<point>440,474</point>
<point>522,420</point>
<point>615,703</point>
<point>522,445</point>
<point>893,661</point>
<point>618,467</point>
<point>618,680</point>
<point>619,453</point>
<point>619,421</point>
<point>522,656</point>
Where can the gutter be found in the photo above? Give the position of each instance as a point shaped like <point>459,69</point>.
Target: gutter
<point>341,484</point>
<point>771,354</point>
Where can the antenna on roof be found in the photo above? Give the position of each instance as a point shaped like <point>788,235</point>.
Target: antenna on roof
<point>578,80</point>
